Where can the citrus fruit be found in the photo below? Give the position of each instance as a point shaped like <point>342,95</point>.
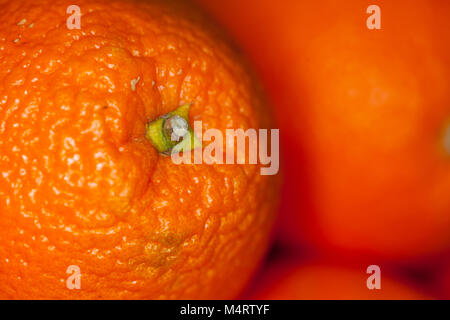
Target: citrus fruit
<point>294,280</point>
<point>84,194</point>
<point>365,115</point>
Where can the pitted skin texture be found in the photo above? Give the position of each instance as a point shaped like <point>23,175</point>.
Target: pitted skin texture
<point>80,185</point>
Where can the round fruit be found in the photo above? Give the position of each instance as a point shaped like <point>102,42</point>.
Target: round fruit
<point>291,280</point>
<point>83,189</point>
<point>365,115</point>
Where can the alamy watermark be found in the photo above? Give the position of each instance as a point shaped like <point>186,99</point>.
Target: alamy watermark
<point>238,146</point>
<point>374,280</point>
<point>74,280</point>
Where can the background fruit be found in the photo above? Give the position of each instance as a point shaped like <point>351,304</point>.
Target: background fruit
<point>81,186</point>
<point>364,115</point>
<point>290,279</point>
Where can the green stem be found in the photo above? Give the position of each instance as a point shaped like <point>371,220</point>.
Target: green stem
<point>172,133</point>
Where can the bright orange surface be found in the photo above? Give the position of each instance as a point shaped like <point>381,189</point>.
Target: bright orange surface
<point>365,116</point>
<point>79,183</point>
<point>288,280</point>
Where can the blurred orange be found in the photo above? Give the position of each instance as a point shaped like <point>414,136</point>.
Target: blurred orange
<point>292,280</point>
<point>364,116</point>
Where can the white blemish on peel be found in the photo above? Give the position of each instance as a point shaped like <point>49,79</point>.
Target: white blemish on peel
<point>134,83</point>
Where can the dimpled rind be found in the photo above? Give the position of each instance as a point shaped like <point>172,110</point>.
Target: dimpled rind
<point>79,183</point>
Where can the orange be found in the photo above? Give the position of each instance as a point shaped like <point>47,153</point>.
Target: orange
<point>365,118</point>
<point>80,185</point>
<point>289,279</point>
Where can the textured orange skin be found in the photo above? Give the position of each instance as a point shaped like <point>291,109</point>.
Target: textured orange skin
<point>292,280</point>
<point>362,114</point>
<point>80,185</point>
